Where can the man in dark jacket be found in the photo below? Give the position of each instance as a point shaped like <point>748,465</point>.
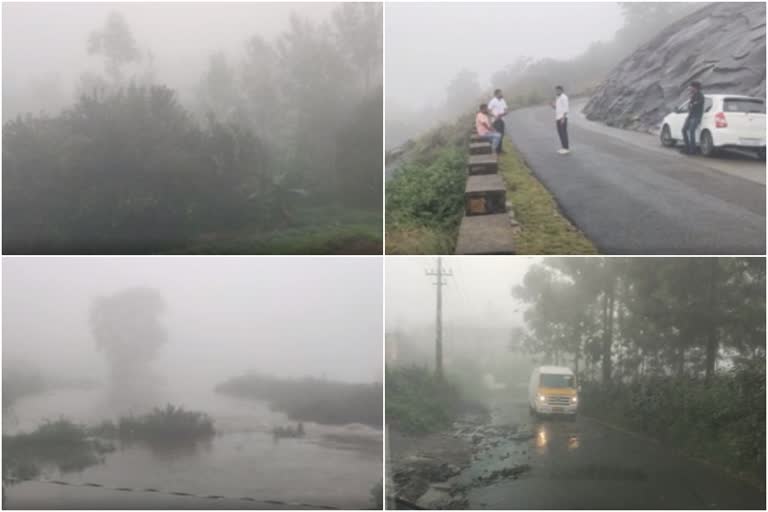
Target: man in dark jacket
<point>692,122</point>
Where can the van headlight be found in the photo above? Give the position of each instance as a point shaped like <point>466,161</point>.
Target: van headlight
<point>542,398</point>
<point>574,399</point>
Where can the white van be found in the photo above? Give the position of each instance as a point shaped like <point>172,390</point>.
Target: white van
<point>552,390</point>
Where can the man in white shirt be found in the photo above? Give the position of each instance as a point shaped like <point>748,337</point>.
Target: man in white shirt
<point>498,109</point>
<point>561,118</point>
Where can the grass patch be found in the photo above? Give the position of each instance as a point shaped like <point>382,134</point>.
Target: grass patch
<point>315,230</point>
<point>544,229</point>
<point>417,402</point>
<point>319,400</point>
<point>425,203</point>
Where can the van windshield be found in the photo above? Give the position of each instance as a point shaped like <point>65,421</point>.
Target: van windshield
<point>550,380</point>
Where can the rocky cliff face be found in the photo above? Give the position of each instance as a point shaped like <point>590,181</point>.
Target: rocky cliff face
<point>722,45</point>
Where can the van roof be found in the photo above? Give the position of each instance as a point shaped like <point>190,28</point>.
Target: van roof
<point>556,370</point>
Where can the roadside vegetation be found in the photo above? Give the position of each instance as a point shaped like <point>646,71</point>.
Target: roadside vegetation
<point>722,421</point>
<point>418,402</point>
<point>672,347</point>
<point>425,203</point>
<point>318,400</point>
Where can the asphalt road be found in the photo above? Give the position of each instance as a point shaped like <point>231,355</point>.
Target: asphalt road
<point>585,464</point>
<point>630,198</point>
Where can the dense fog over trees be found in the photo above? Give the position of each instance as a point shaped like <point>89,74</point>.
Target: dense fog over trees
<point>274,132</point>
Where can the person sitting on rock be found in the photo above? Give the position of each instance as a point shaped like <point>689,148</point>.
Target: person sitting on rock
<point>484,128</point>
<point>692,122</point>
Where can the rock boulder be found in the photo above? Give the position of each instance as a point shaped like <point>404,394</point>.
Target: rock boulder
<point>722,45</point>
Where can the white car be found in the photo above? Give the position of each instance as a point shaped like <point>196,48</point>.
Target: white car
<point>729,121</point>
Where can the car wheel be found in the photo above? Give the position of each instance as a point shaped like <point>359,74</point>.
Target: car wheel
<point>666,137</point>
<point>707,146</point>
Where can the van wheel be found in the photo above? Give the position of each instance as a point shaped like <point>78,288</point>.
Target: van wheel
<point>707,146</point>
<point>666,137</point>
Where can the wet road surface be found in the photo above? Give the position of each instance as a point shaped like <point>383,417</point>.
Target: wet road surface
<point>630,199</point>
<point>587,464</point>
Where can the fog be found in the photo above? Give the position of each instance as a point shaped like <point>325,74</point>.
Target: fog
<point>427,44</point>
<point>478,293</point>
<point>209,124</point>
<point>44,44</point>
<point>284,317</point>
<point>162,377</point>
<point>442,59</point>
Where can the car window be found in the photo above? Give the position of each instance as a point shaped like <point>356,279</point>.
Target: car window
<point>707,104</point>
<point>682,109</point>
<point>549,380</point>
<point>744,105</point>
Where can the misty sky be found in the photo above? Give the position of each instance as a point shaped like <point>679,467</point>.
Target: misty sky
<point>426,44</point>
<point>279,315</point>
<point>478,293</point>
<point>48,40</point>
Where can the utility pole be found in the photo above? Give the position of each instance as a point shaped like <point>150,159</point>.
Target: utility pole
<point>439,274</point>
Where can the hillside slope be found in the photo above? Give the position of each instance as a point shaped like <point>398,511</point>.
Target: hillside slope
<point>722,45</point>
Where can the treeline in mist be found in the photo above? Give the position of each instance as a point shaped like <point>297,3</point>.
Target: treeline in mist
<point>319,400</point>
<point>293,126</point>
<point>622,319</point>
<point>674,347</point>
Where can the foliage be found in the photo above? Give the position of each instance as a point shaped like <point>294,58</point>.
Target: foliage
<point>319,400</point>
<point>427,196</point>
<point>60,443</point>
<point>128,169</point>
<point>418,402</point>
<point>673,346</point>
<point>723,420</point>
<point>171,423</point>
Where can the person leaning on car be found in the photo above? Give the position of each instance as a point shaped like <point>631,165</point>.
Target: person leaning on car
<point>692,122</point>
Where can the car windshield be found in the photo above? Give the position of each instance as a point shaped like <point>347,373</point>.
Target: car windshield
<point>551,380</point>
<point>754,106</point>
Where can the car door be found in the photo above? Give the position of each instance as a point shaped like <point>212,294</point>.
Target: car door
<point>676,121</point>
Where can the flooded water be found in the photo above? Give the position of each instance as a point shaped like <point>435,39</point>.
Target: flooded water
<point>334,466</point>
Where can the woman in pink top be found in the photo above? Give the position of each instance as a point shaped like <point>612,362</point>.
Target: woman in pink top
<point>484,128</point>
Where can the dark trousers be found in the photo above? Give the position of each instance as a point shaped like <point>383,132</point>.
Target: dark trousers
<point>562,131</point>
<point>498,125</point>
<point>689,134</point>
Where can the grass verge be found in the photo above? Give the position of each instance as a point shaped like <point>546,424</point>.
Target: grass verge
<point>425,203</point>
<point>544,228</point>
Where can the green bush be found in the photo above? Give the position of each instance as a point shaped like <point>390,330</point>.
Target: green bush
<point>161,424</point>
<point>417,402</point>
<point>722,420</point>
<point>60,443</point>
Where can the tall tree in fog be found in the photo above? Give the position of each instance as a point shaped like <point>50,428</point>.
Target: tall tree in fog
<point>115,43</point>
<point>127,327</point>
<point>358,29</point>
<point>638,317</point>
